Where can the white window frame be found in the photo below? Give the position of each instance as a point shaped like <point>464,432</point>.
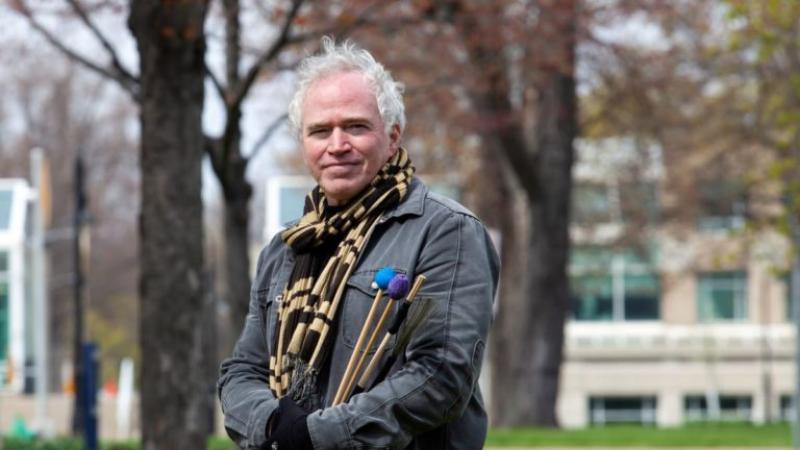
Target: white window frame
<point>738,287</point>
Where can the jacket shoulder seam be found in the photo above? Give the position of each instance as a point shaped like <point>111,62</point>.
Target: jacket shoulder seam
<point>450,205</point>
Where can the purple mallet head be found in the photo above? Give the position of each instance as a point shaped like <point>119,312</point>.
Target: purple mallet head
<point>383,277</point>
<point>398,287</point>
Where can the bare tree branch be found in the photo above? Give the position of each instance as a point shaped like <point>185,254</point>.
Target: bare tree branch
<point>211,146</point>
<point>215,81</point>
<point>115,62</point>
<point>235,93</point>
<point>267,135</point>
<point>129,85</point>
<point>361,20</point>
<point>283,38</point>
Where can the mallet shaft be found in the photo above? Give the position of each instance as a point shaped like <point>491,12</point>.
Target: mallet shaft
<point>357,349</point>
<point>390,332</point>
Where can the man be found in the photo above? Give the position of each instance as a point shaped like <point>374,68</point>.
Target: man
<point>314,286</point>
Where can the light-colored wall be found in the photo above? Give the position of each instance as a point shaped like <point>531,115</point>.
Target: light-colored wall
<point>673,361</point>
<point>669,382</point>
<point>59,415</point>
<point>678,303</point>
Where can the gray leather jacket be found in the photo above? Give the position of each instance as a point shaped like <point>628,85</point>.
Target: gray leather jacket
<point>431,400</point>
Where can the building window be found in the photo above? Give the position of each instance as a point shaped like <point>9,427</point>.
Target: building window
<point>722,296</point>
<point>607,285</point>
<point>592,297</point>
<point>292,201</point>
<point>3,305</point>
<point>5,208</point>
<point>729,408</point>
<point>632,410</point>
<point>641,296</point>
<point>621,201</point>
<point>722,204</point>
<point>639,201</point>
<point>787,407</point>
<point>591,204</point>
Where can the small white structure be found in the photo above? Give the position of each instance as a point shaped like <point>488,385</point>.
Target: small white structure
<point>14,201</point>
<point>284,201</point>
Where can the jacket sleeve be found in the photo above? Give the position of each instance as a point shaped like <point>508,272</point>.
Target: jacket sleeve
<point>443,359</point>
<point>243,386</point>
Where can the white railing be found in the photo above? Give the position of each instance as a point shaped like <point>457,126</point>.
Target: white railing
<point>656,339</point>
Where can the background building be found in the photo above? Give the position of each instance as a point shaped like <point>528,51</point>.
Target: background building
<point>15,331</point>
<point>670,324</point>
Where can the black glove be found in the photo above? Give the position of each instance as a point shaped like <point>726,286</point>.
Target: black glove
<point>289,428</point>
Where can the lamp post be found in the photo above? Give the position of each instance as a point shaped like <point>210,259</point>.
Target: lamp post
<point>40,218</point>
<point>80,257</point>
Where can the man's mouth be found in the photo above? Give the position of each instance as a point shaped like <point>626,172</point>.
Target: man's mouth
<point>339,164</point>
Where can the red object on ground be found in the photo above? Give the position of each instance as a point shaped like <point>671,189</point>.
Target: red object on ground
<point>110,387</point>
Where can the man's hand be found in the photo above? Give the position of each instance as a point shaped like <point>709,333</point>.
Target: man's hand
<point>287,428</point>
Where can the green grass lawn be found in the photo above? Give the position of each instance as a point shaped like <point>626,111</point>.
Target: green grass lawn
<point>700,435</point>
<point>69,443</point>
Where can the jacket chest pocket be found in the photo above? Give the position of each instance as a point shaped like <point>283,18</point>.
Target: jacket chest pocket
<point>270,299</point>
<point>358,300</point>
<point>269,313</point>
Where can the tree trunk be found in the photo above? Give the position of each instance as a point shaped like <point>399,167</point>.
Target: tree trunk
<point>231,167</point>
<point>528,336</point>
<point>549,226</point>
<point>529,332</point>
<point>499,210</point>
<point>237,193</point>
<point>174,404</point>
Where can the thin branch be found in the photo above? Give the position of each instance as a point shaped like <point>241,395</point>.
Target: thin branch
<point>265,137</point>
<point>361,20</point>
<point>128,85</point>
<point>215,81</point>
<point>286,67</point>
<point>284,39</point>
<point>211,146</point>
<point>425,89</point>
<point>115,62</point>
<point>235,95</point>
<point>271,53</point>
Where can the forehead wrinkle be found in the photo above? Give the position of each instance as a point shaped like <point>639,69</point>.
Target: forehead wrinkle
<point>334,96</point>
<point>345,121</point>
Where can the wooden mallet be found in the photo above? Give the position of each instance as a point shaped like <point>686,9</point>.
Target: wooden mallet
<point>396,290</point>
<point>394,327</point>
<point>381,281</point>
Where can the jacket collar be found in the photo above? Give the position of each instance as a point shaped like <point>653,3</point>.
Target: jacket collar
<point>413,204</point>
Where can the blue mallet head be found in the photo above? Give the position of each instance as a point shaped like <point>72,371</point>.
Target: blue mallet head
<point>383,277</point>
<point>398,287</point>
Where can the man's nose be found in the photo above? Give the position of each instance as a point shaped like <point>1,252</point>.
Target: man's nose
<point>339,142</point>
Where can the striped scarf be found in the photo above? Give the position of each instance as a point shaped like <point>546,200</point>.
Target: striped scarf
<point>316,284</point>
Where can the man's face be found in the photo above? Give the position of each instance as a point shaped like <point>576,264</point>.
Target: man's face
<point>344,139</point>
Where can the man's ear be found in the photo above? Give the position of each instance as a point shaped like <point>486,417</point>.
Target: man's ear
<point>394,139</point>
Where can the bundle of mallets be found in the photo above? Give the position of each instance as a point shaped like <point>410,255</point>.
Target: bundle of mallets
<point>295,360</point>
<point>396,286</point>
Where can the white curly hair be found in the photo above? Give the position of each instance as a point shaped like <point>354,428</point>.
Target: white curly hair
<point>347,57</point>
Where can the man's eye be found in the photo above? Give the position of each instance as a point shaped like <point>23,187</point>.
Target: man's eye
<point>358,127</point>
<point>318,132</point>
